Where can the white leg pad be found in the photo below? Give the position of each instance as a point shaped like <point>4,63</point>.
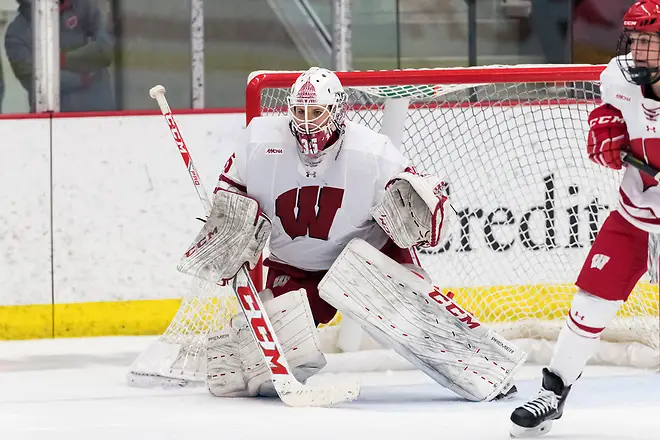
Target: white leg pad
<point>224,377</point>
<point>294,326</point>
<point>405,313</point>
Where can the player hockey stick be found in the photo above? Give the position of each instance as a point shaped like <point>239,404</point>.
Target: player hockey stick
<point>641,165</point>
<point>288,388</point>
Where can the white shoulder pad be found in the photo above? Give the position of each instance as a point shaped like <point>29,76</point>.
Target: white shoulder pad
<point>613,84</point>
<point>268,129</point>
<point>234,234</point>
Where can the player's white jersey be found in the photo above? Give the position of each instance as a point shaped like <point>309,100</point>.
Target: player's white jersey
<point>639,194</point>
<point>314,214</point>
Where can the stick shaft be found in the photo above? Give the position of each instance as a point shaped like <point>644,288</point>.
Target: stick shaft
<point>641,165</point>
<point>183,149</point>
<point>246,293</point>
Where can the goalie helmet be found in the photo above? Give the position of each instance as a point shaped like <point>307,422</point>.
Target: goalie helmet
<point>638,49</point>
<point>317,109</point>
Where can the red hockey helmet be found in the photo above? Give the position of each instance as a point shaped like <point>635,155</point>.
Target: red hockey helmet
<point>638,50</point>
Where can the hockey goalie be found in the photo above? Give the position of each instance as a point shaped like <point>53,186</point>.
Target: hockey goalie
<point>343,210</point>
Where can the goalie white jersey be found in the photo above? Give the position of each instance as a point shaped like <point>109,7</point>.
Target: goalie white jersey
<point>639,194</point>
<point>315,212</point>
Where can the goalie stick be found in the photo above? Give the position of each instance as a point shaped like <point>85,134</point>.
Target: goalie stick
<point>288,388</point>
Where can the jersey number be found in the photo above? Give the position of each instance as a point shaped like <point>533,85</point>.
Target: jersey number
<point>316,210</point>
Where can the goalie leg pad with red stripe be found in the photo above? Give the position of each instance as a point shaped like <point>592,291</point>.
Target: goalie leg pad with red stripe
<point>407,314</point>
<point>235,364</point>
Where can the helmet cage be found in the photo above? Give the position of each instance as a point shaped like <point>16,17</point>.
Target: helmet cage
<point>317,134</point>
<point>633,73</point>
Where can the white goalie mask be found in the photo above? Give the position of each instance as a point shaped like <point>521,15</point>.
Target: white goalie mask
<point>317,109</point>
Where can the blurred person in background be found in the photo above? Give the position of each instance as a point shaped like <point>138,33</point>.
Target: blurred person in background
<point>86,52</point>
<point>596,29</point>
<point>550,23</point>
<point>572,31</point>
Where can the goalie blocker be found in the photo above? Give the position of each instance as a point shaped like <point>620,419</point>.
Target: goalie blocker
<point>402,311</point>
<point>235,233</point>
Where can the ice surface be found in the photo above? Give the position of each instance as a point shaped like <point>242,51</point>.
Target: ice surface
<point>75,389</point>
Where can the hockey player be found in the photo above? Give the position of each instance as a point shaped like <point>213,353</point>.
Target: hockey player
<point>327,182</point>
<point>627,120</point>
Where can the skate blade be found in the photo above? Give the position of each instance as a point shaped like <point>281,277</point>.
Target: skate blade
<point>522,432</point>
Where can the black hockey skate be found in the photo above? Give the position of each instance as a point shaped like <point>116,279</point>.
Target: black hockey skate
<point>536,416</point>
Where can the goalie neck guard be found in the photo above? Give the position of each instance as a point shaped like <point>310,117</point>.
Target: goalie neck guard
<point>317,109</point>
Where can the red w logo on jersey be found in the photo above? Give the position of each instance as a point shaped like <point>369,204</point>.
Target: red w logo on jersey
<point>316,210</point>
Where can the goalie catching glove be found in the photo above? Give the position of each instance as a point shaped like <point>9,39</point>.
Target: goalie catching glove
<point>412,211</point>
<point>234,234</point>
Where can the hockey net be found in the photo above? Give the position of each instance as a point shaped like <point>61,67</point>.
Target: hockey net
<point>510,141</point>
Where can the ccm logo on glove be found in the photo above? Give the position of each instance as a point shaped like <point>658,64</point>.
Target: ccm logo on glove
<point>608,136</point>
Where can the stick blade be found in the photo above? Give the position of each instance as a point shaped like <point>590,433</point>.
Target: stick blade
<point>298,395</point>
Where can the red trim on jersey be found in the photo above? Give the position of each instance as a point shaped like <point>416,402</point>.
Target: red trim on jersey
<point>626,202</point>
<point>585,328</point>
<point>228,181</point>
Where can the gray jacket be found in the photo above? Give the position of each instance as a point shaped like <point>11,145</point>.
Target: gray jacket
<point>86,52</point>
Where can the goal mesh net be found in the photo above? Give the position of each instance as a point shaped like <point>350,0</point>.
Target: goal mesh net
<point>511,144</point>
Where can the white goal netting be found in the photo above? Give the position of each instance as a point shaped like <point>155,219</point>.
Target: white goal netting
<point>511,144</point>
